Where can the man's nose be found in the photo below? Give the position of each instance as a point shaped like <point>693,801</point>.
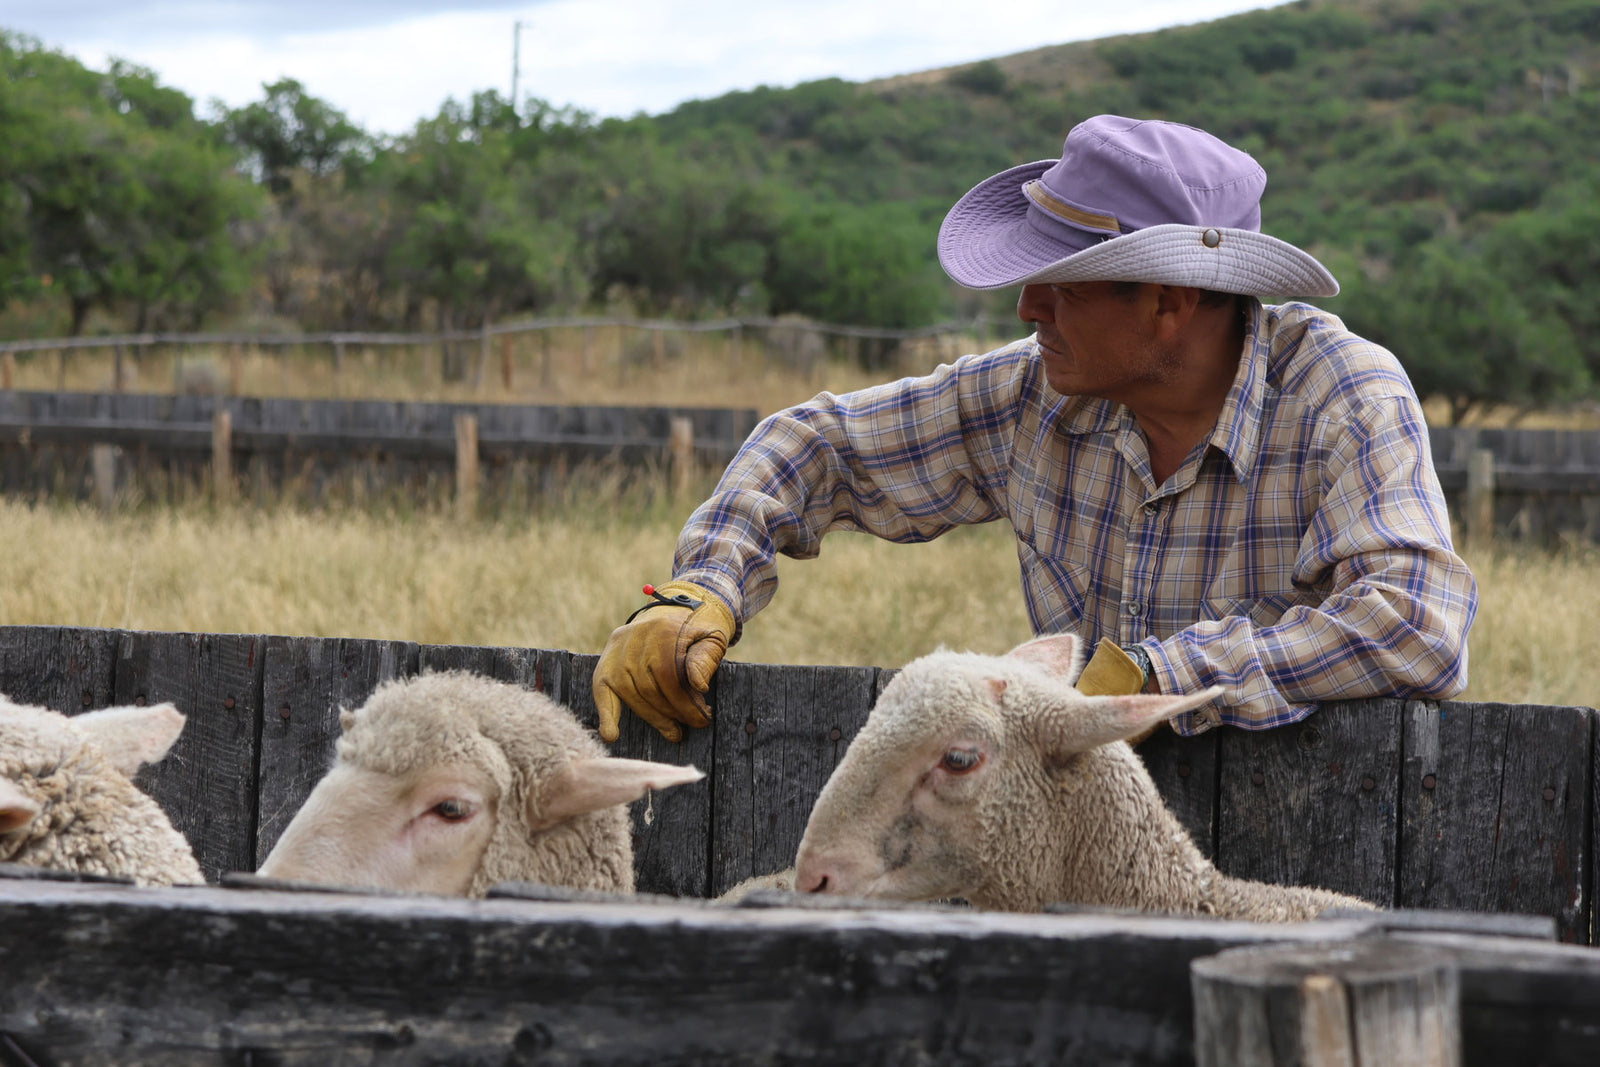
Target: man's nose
<point>1036,304</point>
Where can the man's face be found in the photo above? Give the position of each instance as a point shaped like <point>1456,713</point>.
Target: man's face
<point>1097,339</point>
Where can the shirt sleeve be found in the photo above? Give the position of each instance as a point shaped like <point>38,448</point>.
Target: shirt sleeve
<point>906,461</point>
<point>1401,603</point>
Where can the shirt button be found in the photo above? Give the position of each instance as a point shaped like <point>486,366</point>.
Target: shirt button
<point>1151,508</point>
<point>1135,608</point>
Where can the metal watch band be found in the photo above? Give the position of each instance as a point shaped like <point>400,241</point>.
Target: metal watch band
<point>1142,658</point>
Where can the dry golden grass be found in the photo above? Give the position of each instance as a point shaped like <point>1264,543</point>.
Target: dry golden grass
<point>563,580</point>
<point>611,365</point>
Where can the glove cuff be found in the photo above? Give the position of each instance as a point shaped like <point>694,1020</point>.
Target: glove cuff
<point>1110,672</point>
<point>711,610</point>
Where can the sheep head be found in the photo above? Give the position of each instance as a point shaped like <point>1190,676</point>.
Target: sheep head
<point>955,785</point>
<point>448,783</point>
<point>67,801</point>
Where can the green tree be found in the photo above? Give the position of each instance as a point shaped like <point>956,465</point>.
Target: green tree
<point>291,130</point>
<point>461,237</point>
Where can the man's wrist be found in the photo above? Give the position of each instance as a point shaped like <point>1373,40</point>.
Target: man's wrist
<point>1142,658</point>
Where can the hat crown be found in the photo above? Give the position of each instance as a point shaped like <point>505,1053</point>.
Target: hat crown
<point>1146,172</point>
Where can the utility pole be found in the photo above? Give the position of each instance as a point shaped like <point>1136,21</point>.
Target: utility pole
<point>516,65</point>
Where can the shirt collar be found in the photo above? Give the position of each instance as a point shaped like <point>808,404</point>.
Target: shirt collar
<point>1239,425</point>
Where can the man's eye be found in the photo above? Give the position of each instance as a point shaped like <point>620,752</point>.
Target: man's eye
<point>452,810</point>
<point>960,760</point>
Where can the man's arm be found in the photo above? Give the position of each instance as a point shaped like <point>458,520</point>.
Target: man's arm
<point>906,461</point>
<point>1401,605</point>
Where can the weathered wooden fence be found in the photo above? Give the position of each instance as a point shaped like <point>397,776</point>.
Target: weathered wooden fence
<point>1527,485</point>
<point>1533,485</point>
<point>236,977</point>
<point>1413,804</point>
<point>1470,807</point>
<point>91,445</point>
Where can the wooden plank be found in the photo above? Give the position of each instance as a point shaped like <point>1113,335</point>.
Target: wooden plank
<point>62,667</point>
<point>671,829</point>
<point>1495,810</point>
<point>544,670</point>
<point>780,733</point>
<point>1185,771</point>
<point>1524,1003</point>
<point>263,976</point>
<point>207,782</point>
<point>1314,803</point>
<point>305,681</point>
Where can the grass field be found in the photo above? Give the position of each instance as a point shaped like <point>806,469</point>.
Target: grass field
<point>564,579</point>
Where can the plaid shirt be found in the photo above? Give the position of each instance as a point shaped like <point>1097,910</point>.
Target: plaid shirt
<point>1301,553</point>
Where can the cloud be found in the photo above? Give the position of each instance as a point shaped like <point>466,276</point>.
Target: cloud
<point>389,63</point>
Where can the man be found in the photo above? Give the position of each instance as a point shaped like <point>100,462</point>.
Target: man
<point>1215,490</point>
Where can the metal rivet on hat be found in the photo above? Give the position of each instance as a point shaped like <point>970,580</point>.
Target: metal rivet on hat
<point>1211,238</point>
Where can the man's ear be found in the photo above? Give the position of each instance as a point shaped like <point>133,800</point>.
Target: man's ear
<point>1175,306</point>
<point>1078,723</point>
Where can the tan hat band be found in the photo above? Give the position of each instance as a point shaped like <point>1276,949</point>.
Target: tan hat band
<point>1066,212</point>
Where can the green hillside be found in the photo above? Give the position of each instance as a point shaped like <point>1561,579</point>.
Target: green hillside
<point>1439,156</point>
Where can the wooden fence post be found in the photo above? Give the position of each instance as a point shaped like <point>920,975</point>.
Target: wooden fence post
<point>222,454</point>
<point>1479,509</point>
<point>235,369</point>
<point>466,465</point>
<point>482,369</point>
<point>545,374</point>
<point>680,452</point>
<point>103,461</point>
<point>338,366</point>
<point>1327,1005</point>
<point>8,372</point>
<point>505,362</point>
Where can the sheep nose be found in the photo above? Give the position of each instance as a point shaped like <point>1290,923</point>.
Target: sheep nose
<point>815,880</point>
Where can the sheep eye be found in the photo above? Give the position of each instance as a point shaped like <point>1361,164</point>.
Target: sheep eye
<point>960,760</point>
<point>452,810</point>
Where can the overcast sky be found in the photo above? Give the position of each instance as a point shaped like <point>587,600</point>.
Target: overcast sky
<point>388,63</point>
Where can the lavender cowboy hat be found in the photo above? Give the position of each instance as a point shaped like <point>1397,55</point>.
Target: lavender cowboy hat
<point>1129,200</point>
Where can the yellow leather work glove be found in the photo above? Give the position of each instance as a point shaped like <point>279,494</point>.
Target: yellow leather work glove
<point>661,660</point>
<point>1112,672</point>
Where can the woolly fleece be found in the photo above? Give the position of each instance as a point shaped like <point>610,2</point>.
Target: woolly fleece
<point>1055,807</point>
<point>519,749</point>
<point>90,818</point>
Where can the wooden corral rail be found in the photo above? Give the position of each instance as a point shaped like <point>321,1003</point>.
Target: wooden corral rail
<point>1478,807</point>
<point>120,976</point>
<point>49,439</point>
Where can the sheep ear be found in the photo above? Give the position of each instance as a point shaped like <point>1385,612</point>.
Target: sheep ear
<point>1084,722</point>
<point>17,810</point>
<point>586,785</point>
<point>132,736</point>
<point>1060,654</point>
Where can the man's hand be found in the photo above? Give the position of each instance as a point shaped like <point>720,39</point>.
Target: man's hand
<point>1112,672</point>
<point>661,661</point>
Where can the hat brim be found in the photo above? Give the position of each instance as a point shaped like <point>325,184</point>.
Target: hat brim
<point>987,242</point>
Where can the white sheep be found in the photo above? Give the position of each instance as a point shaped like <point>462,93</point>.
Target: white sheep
<point>451,782</point>
<point>66,801</point>
<point>991,778</point>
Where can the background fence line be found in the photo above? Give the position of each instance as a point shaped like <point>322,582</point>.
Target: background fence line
<point>1530,485</point>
